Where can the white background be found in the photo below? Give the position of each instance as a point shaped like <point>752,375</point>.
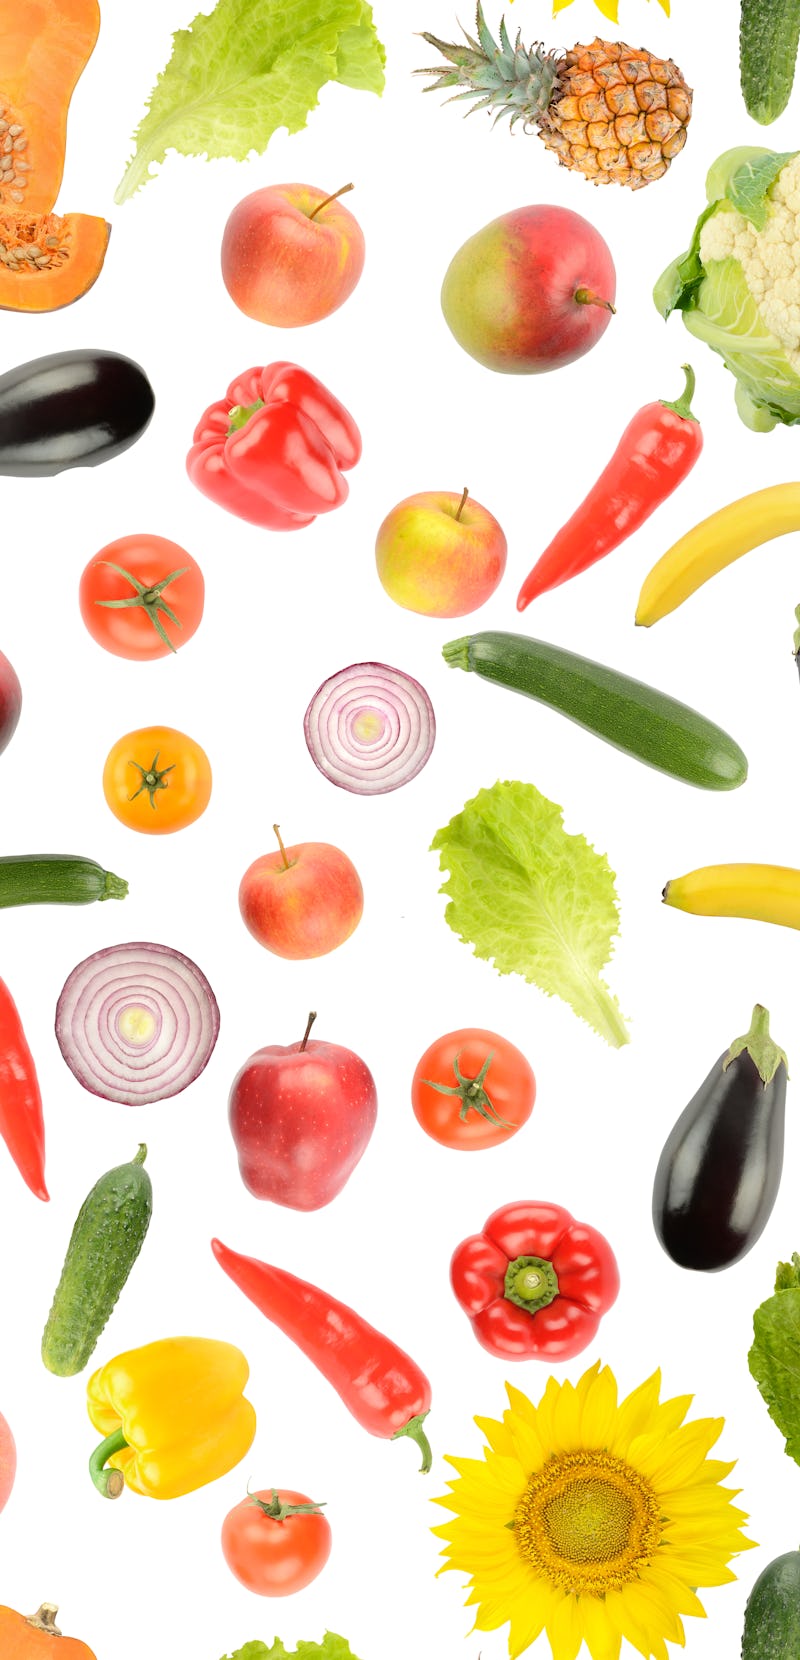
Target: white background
<point>283,613</point>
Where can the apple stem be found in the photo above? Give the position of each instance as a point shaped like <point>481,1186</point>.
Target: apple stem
<point>312,1017</point>
<point>463,502</point>
<point>587,296</point>
<point>286,860</point>
<point>342,191</point>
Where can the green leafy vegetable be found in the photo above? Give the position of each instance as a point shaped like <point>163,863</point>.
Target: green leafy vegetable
<point>748,187</point>
<point>774,1359</point>
<point>533,899</point>
<point>248,68</point>
<point>331,1648</point>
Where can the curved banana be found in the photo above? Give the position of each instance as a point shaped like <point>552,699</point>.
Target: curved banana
<point>715,543</point>
<point>765,893</point>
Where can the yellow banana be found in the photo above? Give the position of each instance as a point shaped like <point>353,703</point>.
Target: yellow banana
<point>715,543</point>
<point>766,893</point>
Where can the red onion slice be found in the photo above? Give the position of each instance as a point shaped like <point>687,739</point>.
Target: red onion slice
<point>370,728</point>
<point>137,1023</point>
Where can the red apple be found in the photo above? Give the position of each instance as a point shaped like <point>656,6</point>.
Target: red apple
<point>8,1461</point>
<point>301,1118</point>
<point>440,553</point>
<point>10,702</point>
<point>291,254</point>
<point>531,291</point>
<point>301,901</point>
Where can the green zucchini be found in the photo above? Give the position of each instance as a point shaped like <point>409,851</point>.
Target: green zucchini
<point>633,717</point>
<point>108,1235</point>
<point>772,1615</point>
<point>56,879</point>
<point>769,35</point>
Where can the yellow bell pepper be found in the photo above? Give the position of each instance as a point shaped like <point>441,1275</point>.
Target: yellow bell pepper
<point>173,1414</point>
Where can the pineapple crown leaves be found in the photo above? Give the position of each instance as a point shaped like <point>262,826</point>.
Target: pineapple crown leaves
<point>517,81</point>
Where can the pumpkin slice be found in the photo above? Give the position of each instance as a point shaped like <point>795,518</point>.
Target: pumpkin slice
<point>45,46</point>
<point>48,261</point>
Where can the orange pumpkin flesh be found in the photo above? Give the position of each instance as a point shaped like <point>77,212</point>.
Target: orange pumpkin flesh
<point>32,1638</point>
<point>48,261</point>
<point>45,46</point>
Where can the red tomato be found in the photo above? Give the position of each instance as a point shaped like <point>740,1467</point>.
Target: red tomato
<point>472,1089</point>
<point>142,597</point>
<point>8,1461</point>
<point>271,1550</point>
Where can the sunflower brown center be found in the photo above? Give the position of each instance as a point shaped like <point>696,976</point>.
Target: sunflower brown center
<point>588,1522</point>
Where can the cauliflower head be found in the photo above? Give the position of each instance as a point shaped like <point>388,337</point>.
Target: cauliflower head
<point>738,285</point>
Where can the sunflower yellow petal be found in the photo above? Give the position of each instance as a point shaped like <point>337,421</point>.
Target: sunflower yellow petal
<point>598,1408</point>
<point>497,1435</point>
<point>565,1628</point>
<point>601,1638</point>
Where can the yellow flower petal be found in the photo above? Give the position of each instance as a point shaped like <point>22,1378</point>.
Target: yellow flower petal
<point>565,1628</point>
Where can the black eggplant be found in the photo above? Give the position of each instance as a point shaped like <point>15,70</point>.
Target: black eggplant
<point>72,409</point>
<point>720,1169</point>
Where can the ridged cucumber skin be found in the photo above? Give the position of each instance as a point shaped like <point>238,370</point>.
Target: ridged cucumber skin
<point>772,1615</point>
<point>769,35</point>
<point>638,719</point>
<point>108,1235</point>
<point>56,879</point>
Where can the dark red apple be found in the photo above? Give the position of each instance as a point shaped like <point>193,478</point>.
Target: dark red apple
<point>531,291</point>
<point>301,1118</point>
<point>10,702</point>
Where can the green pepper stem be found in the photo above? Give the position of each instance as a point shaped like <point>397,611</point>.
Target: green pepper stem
<point>760,1046</point>
<point>682,405</point>
<point>239,415</point>
<point>108,1482</point>
<point>413,1429</point>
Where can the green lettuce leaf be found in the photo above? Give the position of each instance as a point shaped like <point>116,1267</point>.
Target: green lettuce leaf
<point>774,1359</point>
<point>725,315</point>
<point>749,187</point>
<point>331,1648</point>
<point>248,68</point>
<point>532,899</point>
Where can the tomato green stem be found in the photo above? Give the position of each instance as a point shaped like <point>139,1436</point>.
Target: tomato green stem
<point>152,779</point>
<point>278,1512</point>
<point>150,600</point>
<point>472,1093</point>
<point>342,191</point>
<point>108,1482</point>
<point>413,1429</point>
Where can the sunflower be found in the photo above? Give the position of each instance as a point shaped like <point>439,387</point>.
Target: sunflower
<point>592,1520</point>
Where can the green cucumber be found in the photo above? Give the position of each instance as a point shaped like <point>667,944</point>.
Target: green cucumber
<point>772,1615</point>
<point>633,717</point>
<point>56,879</point>
<point>769,35</point>
<point>106,1240</point>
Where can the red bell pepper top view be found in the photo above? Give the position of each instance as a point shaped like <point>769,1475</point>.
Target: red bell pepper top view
<point>534,1283</point>
<point>274,449</point>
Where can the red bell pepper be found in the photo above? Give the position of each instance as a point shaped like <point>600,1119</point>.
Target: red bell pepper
<point>21,1119</point>
<point>274,449</point>
<point>535,1282</point>
<point>377,1381</point>
<point>657,450</point>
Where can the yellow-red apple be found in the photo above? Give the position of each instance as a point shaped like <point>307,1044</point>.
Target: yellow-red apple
<point>440,553</point>
<point>301,901</point>
<point>291,254</point>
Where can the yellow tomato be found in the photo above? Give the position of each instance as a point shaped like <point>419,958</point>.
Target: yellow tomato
<point>157,780</point>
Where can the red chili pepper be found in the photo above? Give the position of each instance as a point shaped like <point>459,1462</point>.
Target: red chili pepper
<point>274,449</point>
<point>535,1282</point>
<point>21,1119</point>
<point>657,450</point>
<point>378,1382</point>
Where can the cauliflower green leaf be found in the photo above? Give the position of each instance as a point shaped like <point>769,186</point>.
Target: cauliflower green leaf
<point>773,1358</point>
<point>247,68</point>
<point>532,899</point>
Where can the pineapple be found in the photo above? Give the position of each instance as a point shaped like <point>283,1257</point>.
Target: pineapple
<point>615,115</point>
